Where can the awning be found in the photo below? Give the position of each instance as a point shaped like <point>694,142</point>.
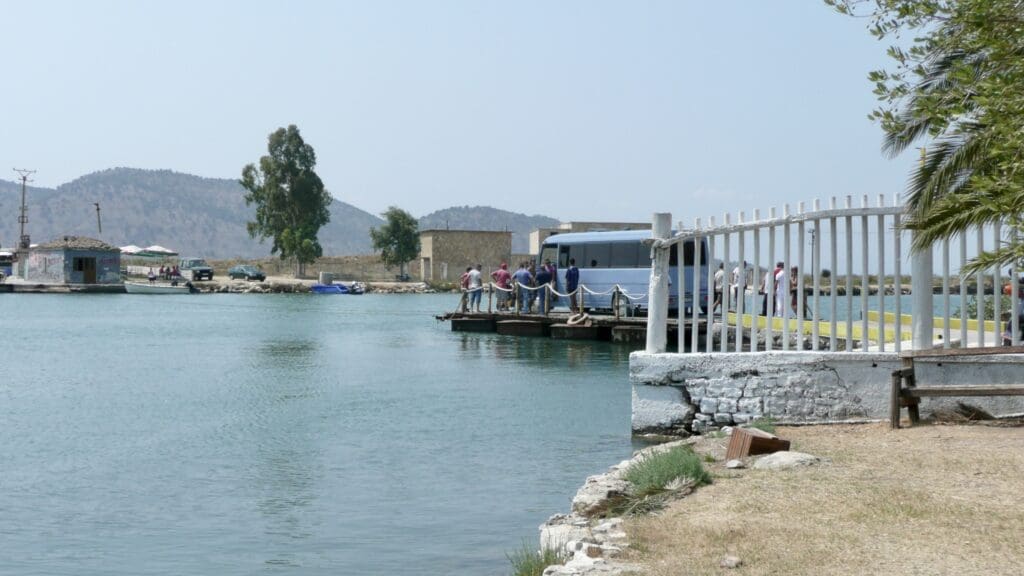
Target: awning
<point>160,251</point>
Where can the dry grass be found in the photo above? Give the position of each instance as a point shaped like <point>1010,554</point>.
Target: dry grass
<point>927,500</point>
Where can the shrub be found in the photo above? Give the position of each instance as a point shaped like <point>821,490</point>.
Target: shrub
<point>650,475</point>
<point>764,425</point>
<point>527,561</point>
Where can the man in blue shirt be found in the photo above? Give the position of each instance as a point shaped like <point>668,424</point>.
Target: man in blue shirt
<point>525,279</point>
<point>572,281</point>
<point>543,279</point>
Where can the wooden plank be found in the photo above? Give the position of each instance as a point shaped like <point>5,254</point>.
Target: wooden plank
<point>895,396</point>
<point>976,390</point>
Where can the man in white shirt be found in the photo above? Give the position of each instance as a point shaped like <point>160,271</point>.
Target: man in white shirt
<point>476,288</point>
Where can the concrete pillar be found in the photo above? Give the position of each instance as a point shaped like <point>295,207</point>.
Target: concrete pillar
<point>657,312</point>
<point>922,307</point>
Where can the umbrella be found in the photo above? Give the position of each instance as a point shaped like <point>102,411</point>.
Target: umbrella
<point>130,249</point>
<point>160,251</point>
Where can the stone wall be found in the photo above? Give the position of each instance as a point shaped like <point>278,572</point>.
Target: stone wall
<point>445,254</point>
<point>684,393</point>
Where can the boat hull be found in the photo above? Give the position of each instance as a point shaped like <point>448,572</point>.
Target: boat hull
<point>143,288</point>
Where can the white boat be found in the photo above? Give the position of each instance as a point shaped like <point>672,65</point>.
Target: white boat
<point>147,288</point>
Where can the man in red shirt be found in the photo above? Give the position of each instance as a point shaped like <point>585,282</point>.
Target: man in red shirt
<point>502,279</point>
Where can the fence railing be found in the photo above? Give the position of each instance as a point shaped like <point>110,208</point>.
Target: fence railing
<point>520,298</point>
<point>833,279</point>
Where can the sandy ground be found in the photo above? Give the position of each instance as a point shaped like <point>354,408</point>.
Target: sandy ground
<point>933,499</point>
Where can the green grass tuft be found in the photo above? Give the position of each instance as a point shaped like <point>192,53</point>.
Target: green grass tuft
<point>527,561</point>
<point>764,425</point>
<point>650,475</point>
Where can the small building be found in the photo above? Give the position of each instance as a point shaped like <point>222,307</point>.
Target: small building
<point>445,254</point>
<point>538,236</point>
<point>72,260</point>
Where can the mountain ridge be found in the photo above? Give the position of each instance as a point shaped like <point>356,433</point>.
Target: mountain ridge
<point>203,216</point>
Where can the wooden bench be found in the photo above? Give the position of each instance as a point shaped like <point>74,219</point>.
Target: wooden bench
<point>906,393</point>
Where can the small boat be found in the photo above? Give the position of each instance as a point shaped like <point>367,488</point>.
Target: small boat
<point>355,288</point>
<point>147,288</point>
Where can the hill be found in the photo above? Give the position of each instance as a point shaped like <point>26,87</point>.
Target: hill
<point>205,216</point>
<point>191,214</point>
<point>487,218</point>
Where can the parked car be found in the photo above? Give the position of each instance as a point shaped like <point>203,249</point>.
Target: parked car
<point>247,272</point>
<point>195,269</point>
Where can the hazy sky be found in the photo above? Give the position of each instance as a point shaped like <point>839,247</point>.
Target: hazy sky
<point>581,110</point>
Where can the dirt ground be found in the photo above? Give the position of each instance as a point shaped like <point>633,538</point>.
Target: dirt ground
<point>933,499</point>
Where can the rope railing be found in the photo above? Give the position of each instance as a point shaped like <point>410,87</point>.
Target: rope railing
<point>551,294</point>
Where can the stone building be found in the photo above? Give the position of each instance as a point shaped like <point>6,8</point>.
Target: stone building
<point>538,236</point>
<point>445,254</point>
<point>72,260</point>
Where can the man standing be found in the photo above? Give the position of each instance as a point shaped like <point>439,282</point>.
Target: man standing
<point>781,289</point>
<point>543,280</point>
<point>572,281</point>
<point>524,279</point>
<point>464,284</point>
<point>502,278</point>
<point>476,288</point>
<point>719,280</point>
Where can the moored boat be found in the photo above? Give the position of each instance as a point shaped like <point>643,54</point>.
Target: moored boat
<point>147,288</point>
<point>354,288</point>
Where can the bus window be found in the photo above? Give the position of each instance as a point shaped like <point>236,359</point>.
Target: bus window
<point>563,257</point>
<point>688,253</point>
<point>673,258</point>
<point>596,255</point>
<point>643,256</point>
<point>547,253</point>
<point>623,255</point>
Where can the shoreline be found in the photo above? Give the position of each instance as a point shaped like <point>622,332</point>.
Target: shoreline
<point>272,285</point>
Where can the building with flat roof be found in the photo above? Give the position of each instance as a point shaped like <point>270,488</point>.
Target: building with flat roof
<point>445,254</point>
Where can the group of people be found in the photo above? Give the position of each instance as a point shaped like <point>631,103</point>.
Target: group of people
<point>776,288</point>
<point>528,278</point>
<point>170,273</point>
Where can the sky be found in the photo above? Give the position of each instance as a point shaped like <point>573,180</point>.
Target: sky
<point>579,110</point>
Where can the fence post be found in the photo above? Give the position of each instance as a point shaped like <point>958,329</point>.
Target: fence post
<point>922,306</point>
<point>657,315</point>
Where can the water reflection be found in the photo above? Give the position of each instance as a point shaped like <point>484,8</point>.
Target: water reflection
<point>534,351</point>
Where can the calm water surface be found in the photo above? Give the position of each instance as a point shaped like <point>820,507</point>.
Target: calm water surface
<point>280,434</point>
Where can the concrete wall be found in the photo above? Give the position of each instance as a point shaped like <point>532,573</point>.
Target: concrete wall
<point>57,266</point>
<point>44,267</point>
<point>445,254</point>
<point>684,393</point>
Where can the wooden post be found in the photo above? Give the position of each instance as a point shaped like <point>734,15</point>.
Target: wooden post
<point>894,399</point>
<point>490,296</point>
<point>615,301</point>
<point>547,298</point>
<point>515,295</point>
<point>657,313</point>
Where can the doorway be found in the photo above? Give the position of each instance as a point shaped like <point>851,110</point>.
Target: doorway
<point>87,267</point>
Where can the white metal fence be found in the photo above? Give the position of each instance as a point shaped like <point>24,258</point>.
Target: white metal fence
<point>842,284</point>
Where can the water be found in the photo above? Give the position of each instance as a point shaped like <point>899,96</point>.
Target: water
<point>288,434</point>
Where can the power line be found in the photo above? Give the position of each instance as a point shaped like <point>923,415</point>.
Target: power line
<point>24,241</point>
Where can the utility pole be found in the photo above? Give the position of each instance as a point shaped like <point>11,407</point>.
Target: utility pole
<point>23,241</point>
<point>99,223</point>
